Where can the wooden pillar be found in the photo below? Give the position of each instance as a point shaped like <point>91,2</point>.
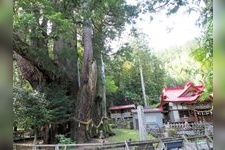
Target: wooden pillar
<point>196,118</point>
<point>56,147</point>
<point>141,123</point>
<point>103,88</point>
<point>143,85</point>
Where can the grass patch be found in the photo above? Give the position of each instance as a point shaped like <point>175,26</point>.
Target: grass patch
<point>125,135</point>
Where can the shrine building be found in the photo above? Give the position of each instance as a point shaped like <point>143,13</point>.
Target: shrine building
<point>121,111</point>
<point>183,103</point>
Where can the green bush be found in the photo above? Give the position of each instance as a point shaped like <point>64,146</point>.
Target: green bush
<point>64,140</point>
<point>172,132</point>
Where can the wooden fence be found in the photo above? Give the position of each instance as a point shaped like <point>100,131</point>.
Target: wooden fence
<point>148,145</point>
<point>184,125</point>
<point>165,144</point>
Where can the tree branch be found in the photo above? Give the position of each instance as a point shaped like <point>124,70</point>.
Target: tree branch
<point>163,5</point>
<point>36,57</point>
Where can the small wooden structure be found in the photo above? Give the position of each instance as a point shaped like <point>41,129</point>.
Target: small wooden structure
<point>121,111</point>
<point>181,103</point>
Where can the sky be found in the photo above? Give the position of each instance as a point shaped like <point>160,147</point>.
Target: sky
<point>163,31</point>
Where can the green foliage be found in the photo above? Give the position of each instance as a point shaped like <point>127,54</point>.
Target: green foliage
<point>168,6</point>
<point>172,132</point>
<point>60,105</point>
<point>106,128</point>
<point>109,19</point>
<point>32,109</point>
<point>124,68</point>
<point>64,140</point>
<point>180,67</point>
<point>29,108</point>
<point>110,85</point>
<point>22,18</point>
<point>28,105</point>
<point>30,14</point>
<point>204,53</point>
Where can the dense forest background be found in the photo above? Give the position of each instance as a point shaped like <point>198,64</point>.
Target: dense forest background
<point>64,71</point>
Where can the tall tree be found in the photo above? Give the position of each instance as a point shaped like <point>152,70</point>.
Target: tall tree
<point>87,89</point>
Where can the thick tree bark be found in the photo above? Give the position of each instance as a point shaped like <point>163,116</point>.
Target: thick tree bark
<point>98,109</point>
<point>87,90</point>
<point>30,72</point>
<point>99,106</point>
<point>45,134</point>
<point>36,57</point>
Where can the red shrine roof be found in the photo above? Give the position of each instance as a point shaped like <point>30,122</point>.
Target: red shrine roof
<point>187,94</point>
<point>122,107</point>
